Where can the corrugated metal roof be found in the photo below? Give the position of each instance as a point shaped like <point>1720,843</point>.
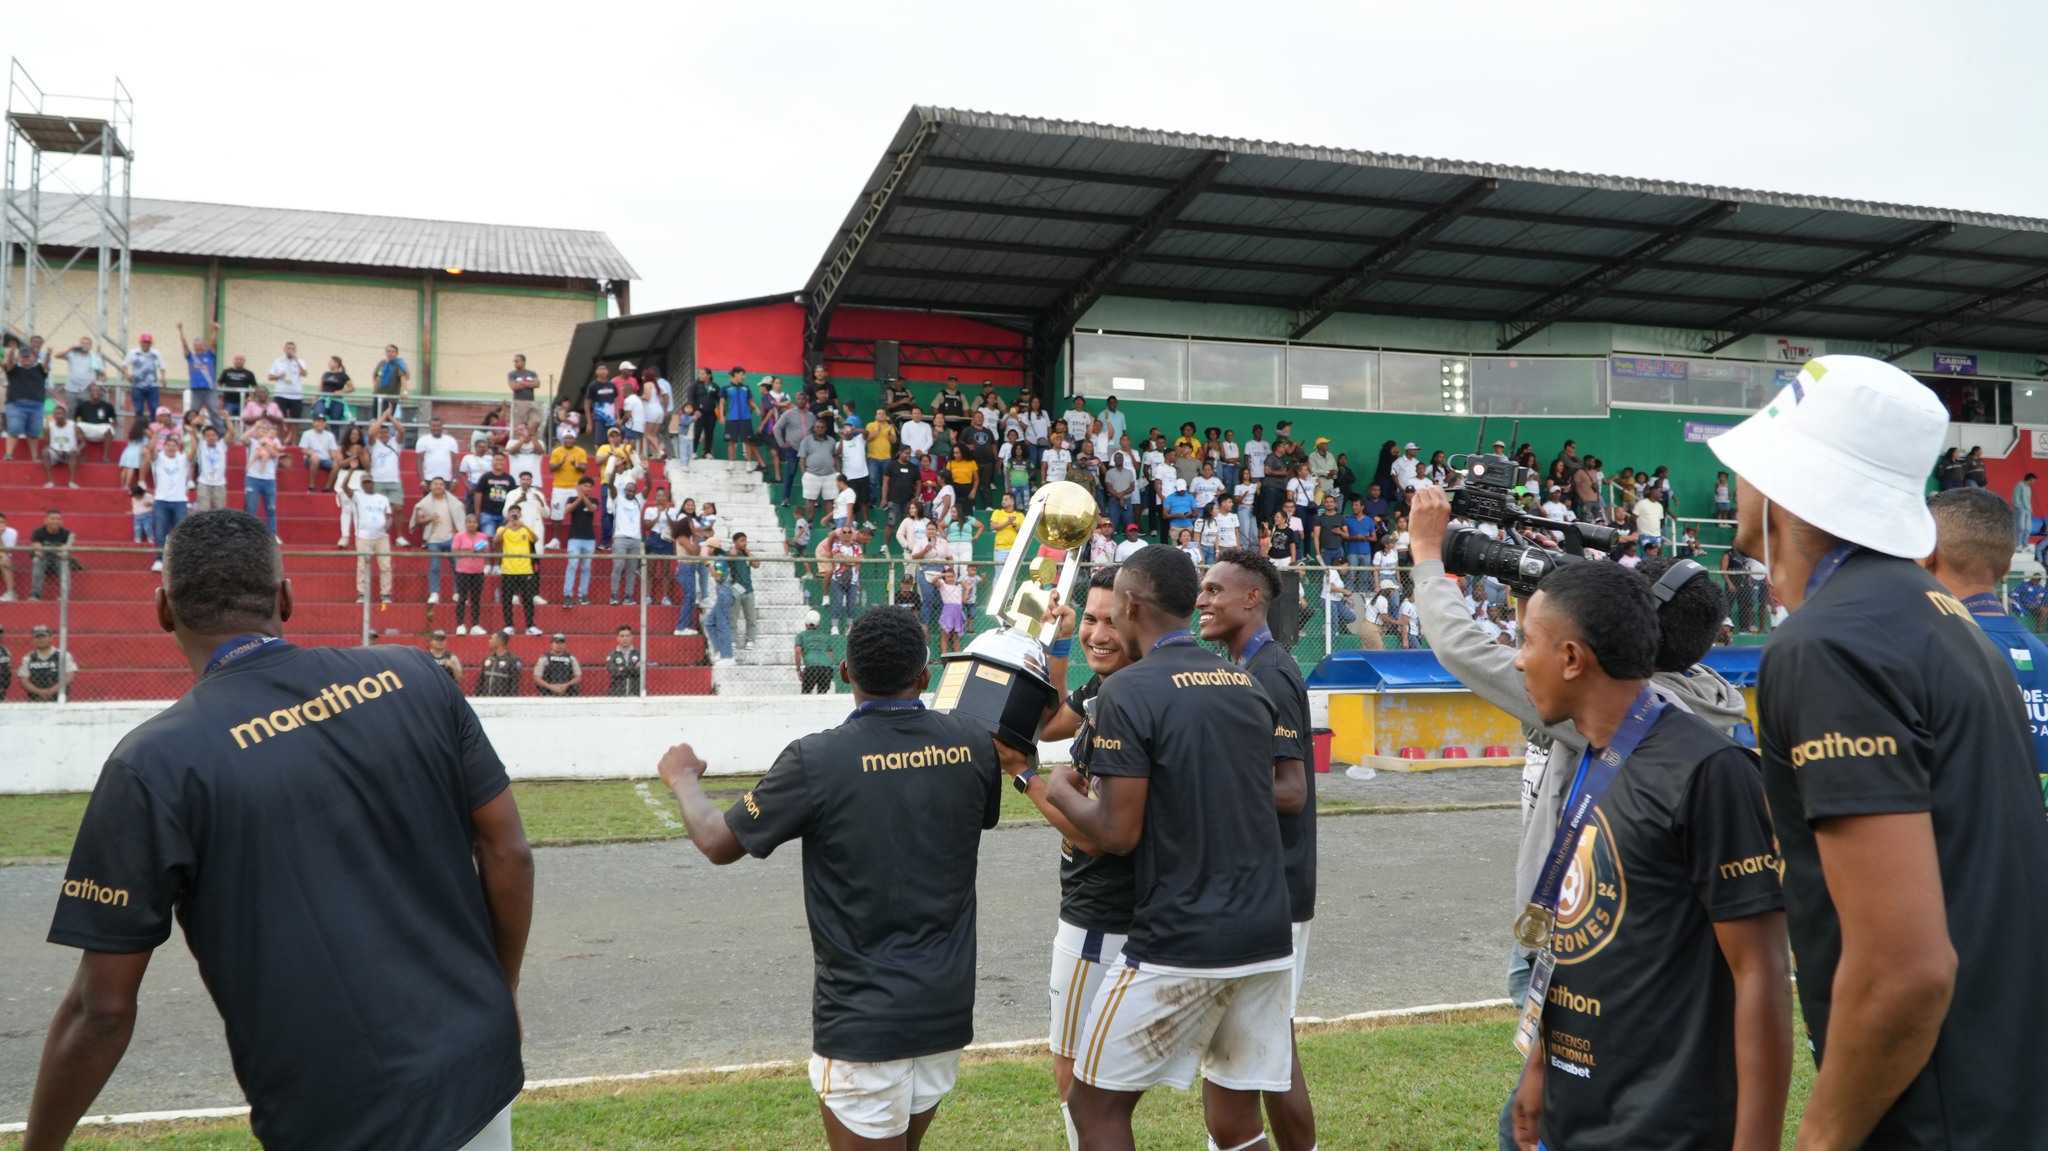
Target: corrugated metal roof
<point>1014,213</point>
<point>237,232</point>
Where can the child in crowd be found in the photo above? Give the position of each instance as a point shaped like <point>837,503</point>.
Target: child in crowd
<point>683,425</point>
<point>131,455</point>
<point>142,507</point>
<point>952,616</point>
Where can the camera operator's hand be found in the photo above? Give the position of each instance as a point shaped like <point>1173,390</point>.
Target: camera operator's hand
<point>1428,520</point>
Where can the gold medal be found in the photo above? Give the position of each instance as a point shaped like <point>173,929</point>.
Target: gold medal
<point>1532,927</point>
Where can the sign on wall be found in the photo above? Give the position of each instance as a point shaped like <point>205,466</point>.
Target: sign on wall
<point>1647,368</point>
<point>1955,363</point>
<point>1794,351</point>
<point>2040,439</point>
<point>1699,433</point>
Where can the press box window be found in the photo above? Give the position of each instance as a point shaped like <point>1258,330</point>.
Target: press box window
<point>1130,367</point>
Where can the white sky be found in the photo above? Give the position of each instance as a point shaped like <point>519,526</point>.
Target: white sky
<point>721,144</point>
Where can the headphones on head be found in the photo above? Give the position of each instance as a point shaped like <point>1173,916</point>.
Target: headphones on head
<point>1674,580</point>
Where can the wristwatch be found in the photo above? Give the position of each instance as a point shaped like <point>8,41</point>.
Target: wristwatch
<point>1022,780</point>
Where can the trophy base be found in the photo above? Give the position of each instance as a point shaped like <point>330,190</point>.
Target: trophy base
<point>1004,695</point>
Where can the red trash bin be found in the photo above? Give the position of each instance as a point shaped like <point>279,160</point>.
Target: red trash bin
<point>1321,739</point>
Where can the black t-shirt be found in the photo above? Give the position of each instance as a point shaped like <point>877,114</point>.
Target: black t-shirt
<point>1640,1022</point>
<point>93,412</point>
<point>1280,677</point>
<point>582,519</point>
<point>890,807</point>
<point>27,383</point>
<point>325,887</point>
<point>1881,696</point>
<point>499,674</point>
<point>1327,524</point>
<point>239,379</point>
<point>624,666</point>
<point>333,381</point>
<point>44,537</point>
<point>490,493</point>
<point>522,382</point>
<point>1282,546</point>
<point>901,483</point>
<point>1097,893</point>
<point>600,393</point>
<point>1212,881</point>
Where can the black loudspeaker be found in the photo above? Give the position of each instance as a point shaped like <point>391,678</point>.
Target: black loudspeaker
<point>888,359</point>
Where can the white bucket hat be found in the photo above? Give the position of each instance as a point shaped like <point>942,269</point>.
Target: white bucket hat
<point>1847,447</point>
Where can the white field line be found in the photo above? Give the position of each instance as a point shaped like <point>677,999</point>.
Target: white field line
<point>738,1068</point>
<point>662,811</point>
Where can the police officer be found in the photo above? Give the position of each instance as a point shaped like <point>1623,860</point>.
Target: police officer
<point>498,674</point>
<point>894,997</point>
<point>556,672</point>
<point>387,961</point>
<point>623,663</point>
<point>46,671</point>
<point>437,650</point>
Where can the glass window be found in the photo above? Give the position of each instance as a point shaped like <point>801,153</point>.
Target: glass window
<point>1337,378</point>
<point>1234,373</point>
<point>1519,386</point>
<point>1130,367</point>
<point>1668,382</point>
<point>1438,385</point>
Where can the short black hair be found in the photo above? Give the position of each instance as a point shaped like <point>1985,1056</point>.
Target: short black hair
<point>1169,577</point>
<point>1256,562</point>
<point>1973,532</point>
<point>1103,578</point>
<point>221,571</point>
<point>1688,624</point>
<point>1611,608</point>
<point>885,649</point>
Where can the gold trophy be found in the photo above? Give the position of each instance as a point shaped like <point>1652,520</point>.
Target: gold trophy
<point>1000,680</point>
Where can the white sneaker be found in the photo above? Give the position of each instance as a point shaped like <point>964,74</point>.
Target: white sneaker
<point>434,597</point>
<point>687,631</point>
<point>157,566</point>
<point>10,597</point>
<point>835,629</point>
<point>750,645</point>
<point>533,631</point>
<point>540,601</point>
<point>728,661</point>
<point>681,631</point>
<point>401,541</point>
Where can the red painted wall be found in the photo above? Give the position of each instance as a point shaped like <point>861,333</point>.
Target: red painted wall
<point>768,339</point>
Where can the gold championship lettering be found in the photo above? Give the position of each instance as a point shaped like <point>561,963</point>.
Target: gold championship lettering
<point>1835,745</point>
<point>930,755</point>
<point>93,892</point>
<point>332,701</point>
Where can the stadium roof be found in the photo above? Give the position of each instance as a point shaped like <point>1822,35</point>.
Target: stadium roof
<point>1038,219</point>
<point>231,231</point>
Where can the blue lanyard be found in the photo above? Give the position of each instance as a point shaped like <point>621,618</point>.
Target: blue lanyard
<point>880,705</point>
<point>1984,603</point>
<point>1172,639</point>
<point>1594,777</point>
<point>1252,646</point>
<point>1829,564</point>
<point>235,649</point>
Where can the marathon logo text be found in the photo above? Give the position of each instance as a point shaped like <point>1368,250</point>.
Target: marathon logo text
<point>1222,677</point>
<point>929,756</point>
<point>92,892</point>
<point>1835,745</point>
<point>333,699</point>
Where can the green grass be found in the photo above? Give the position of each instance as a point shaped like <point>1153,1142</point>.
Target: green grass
<point>1406,1086</point>
<point>557,813</point>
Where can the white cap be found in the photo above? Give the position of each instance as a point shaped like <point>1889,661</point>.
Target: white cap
<point>1180,485</point>
<point>811,618</point>
<point>1411,446</point>
<point>625,365</point>
<point>1847,448</point>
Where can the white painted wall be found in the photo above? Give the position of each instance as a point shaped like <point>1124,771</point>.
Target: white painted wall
<point>61,748</point>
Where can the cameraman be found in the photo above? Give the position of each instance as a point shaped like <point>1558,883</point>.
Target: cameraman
<point>1689,623</point>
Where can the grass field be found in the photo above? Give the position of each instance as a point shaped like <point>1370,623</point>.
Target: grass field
<point>40,827</point>
<point>1411,1086</point>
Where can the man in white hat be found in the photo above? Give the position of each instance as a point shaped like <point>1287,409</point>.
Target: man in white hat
<point>1404,468</point>
<point>1900,776</point>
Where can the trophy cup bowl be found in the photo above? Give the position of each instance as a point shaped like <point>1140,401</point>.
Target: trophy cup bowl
<point>1001,679</point>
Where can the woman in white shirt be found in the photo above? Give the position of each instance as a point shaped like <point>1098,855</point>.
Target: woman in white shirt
<point>476,463</point>
<point>524,453</point>
<point>1302,490</point>
<point>1037,428</point>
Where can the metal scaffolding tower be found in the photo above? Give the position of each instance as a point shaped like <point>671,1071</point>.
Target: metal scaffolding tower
<point>65,203</point>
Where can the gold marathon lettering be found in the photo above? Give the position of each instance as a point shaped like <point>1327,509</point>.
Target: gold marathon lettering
<point>1222,677</point>
<point>93,892</point>
<point>928,756</point>
<point>1754,865</point>
<point>1835,745</point>
<point>1562,996</point>
<point>1949,605</point>
<point>1286,733</point>
<point>333,699</point>
<point>753,809</point>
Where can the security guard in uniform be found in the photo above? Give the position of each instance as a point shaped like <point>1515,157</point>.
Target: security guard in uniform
<point>556,672</point>
<point>437,650</point>
<point>498,674</point>
<point>623,662</point>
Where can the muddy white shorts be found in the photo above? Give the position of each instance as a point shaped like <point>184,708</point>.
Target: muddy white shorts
<point>876,1100</point>
<point>1149,1027</point>
<point>1301,934</point>
<point>1079,959</point>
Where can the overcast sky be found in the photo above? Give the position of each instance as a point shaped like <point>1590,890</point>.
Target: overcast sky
<point>721,144</point>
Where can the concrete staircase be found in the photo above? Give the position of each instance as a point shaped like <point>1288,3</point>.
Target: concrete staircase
<point>747,504</point>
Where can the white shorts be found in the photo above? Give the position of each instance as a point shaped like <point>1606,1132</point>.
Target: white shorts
<point>876,1100</point>
<point>1301,934</point>
<point>558,502</point>
<point>1150,1027</point>
<point>95,433</point>
<point>496,1135</point>
<point>1079,959</point>
<point>820,487</point>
